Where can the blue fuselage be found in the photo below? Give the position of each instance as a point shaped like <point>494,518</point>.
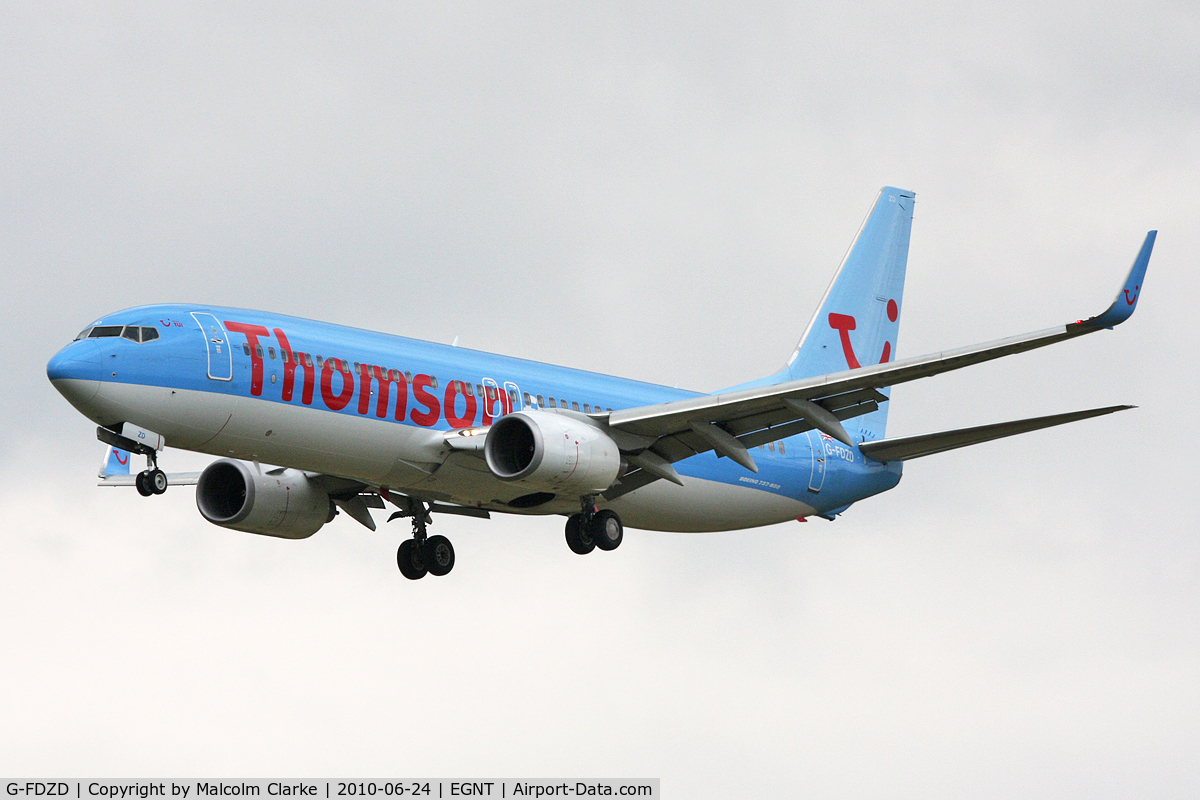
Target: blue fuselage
<point>375,407</point>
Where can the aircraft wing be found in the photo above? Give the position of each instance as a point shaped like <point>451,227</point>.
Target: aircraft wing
<point>173,479</point>
<point>732,422</point>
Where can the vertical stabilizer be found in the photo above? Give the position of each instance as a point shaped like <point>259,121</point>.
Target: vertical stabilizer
<point>858,320</point>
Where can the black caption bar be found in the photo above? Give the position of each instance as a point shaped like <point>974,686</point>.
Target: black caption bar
<point>330,790</point>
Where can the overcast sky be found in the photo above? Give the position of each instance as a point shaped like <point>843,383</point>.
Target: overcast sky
<point>660,191</point>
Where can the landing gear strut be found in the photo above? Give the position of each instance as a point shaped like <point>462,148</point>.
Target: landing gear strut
<point>151,480</point>
<point>592,528</point>
<point>422,554</point>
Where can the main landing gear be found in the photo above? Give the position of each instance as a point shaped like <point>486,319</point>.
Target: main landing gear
<point>592,528</point>
<point>423,554</point>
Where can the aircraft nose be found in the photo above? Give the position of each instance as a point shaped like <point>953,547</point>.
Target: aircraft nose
<point>75,371</point>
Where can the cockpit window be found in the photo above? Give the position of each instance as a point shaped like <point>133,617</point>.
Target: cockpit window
<point>133,333</point>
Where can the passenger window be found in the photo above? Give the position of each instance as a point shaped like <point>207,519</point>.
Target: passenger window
<point>528,400</point>
<point>271,352</point>
<point>308,360</point>
<point>771,446</point>
<point>574,406</point>
<point>587,409</point>
<point>550,402</point>
<point>320,363</point>
<point>149,334</point>
<point>541,402</point>
<point>407,376</point>
<point>433,382</point>
<point>132,333</point>
<point>782,452</point>
<point>283,356</point>
<point>258,350</point>
<point>246,348</point>
<point>512,395</point>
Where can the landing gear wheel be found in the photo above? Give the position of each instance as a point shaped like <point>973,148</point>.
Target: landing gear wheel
<point>578,539</point>
<point>408,559</point>
<point>142,482</point>
<point>606,529</point>
<point>157,481</point>
<point>438,555</point>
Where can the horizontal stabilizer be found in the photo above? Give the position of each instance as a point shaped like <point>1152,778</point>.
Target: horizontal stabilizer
<point>910,447</point>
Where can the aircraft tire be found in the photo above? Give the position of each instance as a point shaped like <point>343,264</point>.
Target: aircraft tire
<point>438,555</point>
<point>578,539</point>
<point>142,482</point>
<point>408,559</point>
<point>606,530</point>
<point>157,481</point>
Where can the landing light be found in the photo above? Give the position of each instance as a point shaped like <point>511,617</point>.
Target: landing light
<point>473,431</point>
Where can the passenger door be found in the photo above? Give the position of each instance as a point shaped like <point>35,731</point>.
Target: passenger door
<point>817,445</point>
<point>220,355</point>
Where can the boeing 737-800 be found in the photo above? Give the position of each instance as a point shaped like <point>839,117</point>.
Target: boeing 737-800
<point>354,420</point>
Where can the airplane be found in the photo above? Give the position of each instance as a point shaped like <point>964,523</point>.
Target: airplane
<point>350,420</point>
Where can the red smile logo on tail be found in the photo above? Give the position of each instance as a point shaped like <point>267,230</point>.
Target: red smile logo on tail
<point>1131,300</point>
<point>844,323</point>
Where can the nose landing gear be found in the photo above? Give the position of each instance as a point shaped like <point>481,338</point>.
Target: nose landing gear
<point>133,439</point>
<point>151,481</point>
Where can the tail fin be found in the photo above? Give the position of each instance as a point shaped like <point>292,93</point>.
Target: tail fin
<point>859,318</point>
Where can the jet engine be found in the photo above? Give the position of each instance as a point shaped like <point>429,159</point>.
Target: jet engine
<point>551,453</point>
<point>283,503</point>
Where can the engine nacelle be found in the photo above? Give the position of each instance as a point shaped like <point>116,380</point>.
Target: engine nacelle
<point>551,453</point>
<point>282,503</point>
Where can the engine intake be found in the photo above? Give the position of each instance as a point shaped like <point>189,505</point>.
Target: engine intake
<point>552,453</point>
<point>282,503</point>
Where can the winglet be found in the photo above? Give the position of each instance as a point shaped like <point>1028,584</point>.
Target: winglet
<point>116,462</point>
<point>1122,308</point>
